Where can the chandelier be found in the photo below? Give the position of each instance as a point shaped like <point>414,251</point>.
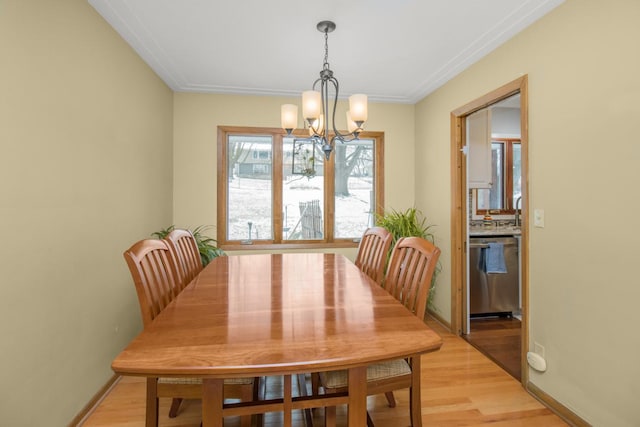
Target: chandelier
<point>316,103</point>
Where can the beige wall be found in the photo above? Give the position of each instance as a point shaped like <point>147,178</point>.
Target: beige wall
<point>86,135</point>
<point>196,117</point>
<point>85,170</point>
<point>583,64</point>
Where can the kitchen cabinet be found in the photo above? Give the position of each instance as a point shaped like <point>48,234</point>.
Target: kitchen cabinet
<point>479,149</point>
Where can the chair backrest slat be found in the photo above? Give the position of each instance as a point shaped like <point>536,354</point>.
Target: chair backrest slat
<point>185,251</point>
<point>411,267</point>
<point>153,269</point>
<point>372,252</point>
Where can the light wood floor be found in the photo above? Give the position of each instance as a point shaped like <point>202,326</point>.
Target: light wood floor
<point>460,387</point>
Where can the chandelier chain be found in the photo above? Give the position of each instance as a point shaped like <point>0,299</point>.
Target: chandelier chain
<point>326,50</point>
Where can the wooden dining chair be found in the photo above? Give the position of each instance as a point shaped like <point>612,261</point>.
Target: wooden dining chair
<point>372,252</point>
<point>154,270</point>
<point>408,278</point>
<point>185,251</point>
<point>411,267</point>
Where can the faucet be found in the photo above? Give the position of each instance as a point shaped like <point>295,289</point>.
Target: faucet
<point>518,212</point>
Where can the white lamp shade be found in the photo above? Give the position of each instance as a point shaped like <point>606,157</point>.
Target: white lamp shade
<point>311,104</point>
<point>358,107</point>
<point>351,125</point>
<point>289,116</point>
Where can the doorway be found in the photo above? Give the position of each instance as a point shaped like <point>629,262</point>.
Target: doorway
<point>461,215</point>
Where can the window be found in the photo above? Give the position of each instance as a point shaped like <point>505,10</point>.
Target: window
<point>506,177</point>
<point>276,190</point>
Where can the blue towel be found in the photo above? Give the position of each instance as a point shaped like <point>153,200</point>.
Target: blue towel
<point>494,258</point>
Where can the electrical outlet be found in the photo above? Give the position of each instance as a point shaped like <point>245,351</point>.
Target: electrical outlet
<point>536,362</point>
<point>538,349</point>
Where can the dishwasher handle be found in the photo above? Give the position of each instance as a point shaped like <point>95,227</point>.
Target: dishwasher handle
<point>479,245</point>
<point>485,245</point>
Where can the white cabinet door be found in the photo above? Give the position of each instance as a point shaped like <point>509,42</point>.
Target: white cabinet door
<point>479,143</point>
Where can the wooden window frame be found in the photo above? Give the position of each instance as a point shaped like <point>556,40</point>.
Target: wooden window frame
<point>277,192</point>
<point>507,201</point>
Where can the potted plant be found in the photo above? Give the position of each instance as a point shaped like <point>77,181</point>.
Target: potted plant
<point>409,223</point>
<point>206,245</point>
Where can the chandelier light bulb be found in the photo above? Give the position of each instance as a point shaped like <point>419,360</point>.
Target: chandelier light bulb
<point>289,117</point>
<point>351,125</point>
<point>317,126</point>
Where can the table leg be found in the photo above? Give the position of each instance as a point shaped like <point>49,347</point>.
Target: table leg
<point>151,416</point>
<point>358,396</point>
<point>212,402</point>
<point>287,396</point>
<point>414,393</point>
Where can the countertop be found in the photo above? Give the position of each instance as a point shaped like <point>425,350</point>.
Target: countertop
<point>506,230</point>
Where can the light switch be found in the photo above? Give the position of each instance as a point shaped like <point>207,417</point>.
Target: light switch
<point>538,218</point>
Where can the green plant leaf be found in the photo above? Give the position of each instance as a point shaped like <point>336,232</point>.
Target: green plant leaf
<point>163,233</point>
<point>207,246</point>
<point>409,223</point>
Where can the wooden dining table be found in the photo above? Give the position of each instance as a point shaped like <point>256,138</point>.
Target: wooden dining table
<point>279,314</point>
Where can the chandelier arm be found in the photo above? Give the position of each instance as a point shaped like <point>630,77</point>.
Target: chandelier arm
<point>325,105</point>
<point>336,133</point>
<point>327,144</point>
<point>343,137</point>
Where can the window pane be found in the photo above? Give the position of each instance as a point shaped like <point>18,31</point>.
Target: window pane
<point>354,188</point>
<point>492,198</point>
<point>249,205</point>
<point>302,190</point>
<point>517,173</point>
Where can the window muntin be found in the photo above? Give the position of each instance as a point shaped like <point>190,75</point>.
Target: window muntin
<point>332,216</point>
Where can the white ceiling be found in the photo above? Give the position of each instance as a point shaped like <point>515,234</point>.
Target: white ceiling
<point>392,50</point>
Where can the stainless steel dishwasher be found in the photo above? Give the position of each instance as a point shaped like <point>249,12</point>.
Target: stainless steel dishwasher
<point>493,293</point>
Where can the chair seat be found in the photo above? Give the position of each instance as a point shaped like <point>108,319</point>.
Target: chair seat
<point>376,372</point>
<point>238,381</point>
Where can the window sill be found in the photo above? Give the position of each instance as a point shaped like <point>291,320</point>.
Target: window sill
<point>257,246</point>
